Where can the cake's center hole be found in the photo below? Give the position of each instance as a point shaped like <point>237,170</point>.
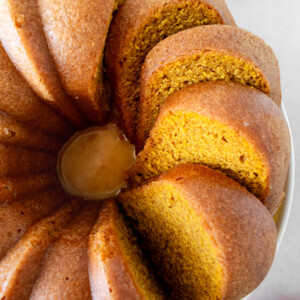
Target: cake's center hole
<point>93,163</point>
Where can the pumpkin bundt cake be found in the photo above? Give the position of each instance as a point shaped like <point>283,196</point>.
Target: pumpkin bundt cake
<point>138,26</point>
<point>210,238</point>
<point>204,53</point>
<point>190,233</point>
<point>117,266</point>
<point>226,126</point>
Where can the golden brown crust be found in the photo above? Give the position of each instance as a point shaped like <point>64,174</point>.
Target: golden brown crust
<point>13,187</point>
<point>20,267</point>
<point>76,33</point>
<point>241,226</point>
<point>15,133</point>
<point>21,103</point>
<point>130,19</point>
<point>221,39</point>
<point>64,274</point>
<point>18,215</point>
<point>110,277</point>
<point>246,111</point>
<point>21,34</point>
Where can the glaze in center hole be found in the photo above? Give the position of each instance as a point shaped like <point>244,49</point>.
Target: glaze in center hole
<point>93,163</point>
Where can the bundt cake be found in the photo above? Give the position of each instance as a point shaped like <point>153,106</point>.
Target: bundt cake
<point>189,233</point>
<point>117,267</point>
<point>226,126</point>
<point>204,53</point>
<point>210,238</point>
<point>137,27</point>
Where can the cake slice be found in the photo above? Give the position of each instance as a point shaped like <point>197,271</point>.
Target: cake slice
<point>226,126</point>
<point>76,33</point>
<point>21,103</point>
<point>18,161</point>
<point>137,27</point>
<point>13,187</point>
<point>204,53</point>
<point>18,215</point>
<point>117,267</point>
<point>208,236</point>
<point>15,133</point>
<point>64,274</point>
<point>21,265</point>
<point>22,36</point>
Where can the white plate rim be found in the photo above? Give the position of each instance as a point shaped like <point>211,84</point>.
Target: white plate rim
<point>289,189</point>
<point>286,206</point>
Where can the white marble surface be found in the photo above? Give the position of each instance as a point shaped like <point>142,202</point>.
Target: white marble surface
<point>278,23</point>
